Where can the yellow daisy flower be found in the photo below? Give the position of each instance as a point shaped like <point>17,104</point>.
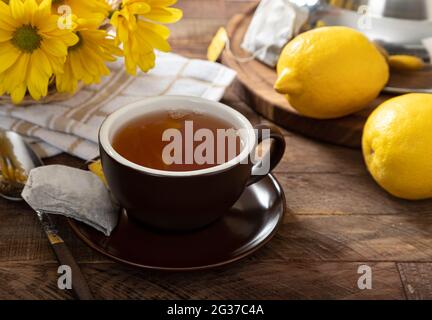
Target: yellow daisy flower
<point>32,48</point>
<point>139,28</point>
<point>86,60</point>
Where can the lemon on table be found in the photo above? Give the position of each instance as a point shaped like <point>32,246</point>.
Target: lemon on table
<point>397,146</point>
<point>406,63</point>
<point>331,72</point>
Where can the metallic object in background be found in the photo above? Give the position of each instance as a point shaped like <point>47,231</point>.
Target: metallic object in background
<point>398,25</point>
<point>398,9</point>
<point>16,161</point>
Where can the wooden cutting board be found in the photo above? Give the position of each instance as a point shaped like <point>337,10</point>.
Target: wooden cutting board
<point>255,87</point>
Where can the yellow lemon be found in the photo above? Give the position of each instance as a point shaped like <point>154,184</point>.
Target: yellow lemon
<point>406,63</point>
<point>331,72</point>
<point>96,168</point>
<point>397,146</point>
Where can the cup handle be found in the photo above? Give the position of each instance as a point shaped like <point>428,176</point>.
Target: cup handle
<point>277,150</point>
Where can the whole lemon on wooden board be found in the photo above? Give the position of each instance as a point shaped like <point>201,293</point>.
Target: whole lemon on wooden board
<point>331,72</point>
<point>397,146</point>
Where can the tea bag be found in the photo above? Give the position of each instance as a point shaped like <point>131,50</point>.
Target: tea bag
<point>73,193</point>
<point>274,23</point>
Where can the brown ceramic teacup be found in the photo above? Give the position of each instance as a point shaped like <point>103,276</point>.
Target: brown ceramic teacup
<point>183,200</point>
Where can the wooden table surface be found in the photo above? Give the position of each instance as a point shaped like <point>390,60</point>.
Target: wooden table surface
<point>337,220</point>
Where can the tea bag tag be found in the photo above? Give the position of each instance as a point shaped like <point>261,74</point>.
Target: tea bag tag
<point>217,45</point>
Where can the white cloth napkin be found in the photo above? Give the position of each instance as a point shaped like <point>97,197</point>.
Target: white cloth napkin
<point>72,125</point>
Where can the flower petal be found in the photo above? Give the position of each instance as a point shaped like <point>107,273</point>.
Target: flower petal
<point>4,8</point>
<point>17,73</point>
<point>37,79</point>
<point>18,12</point>
<point>30,7</point>
<point>56,62</point>
<point>163,3</point>
<point>45,23</point>
<point>18,93</point>
<point>5,35</point>
<point>162,30</point>
<point>139,8</point>
<point>54,46</point>
<point>66,82</point>
<point>164,15</point>
<point>152,38</point>
<point>8,56</point>
<point>45,7</point>
<point>42,61</point>
<point>6,21</point>
<point>147,61</point>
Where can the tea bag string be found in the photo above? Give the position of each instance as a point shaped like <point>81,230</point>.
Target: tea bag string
<point>244,59</point>
<point>253,55</point>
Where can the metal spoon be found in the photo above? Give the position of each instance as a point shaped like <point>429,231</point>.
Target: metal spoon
<point>17,158</point>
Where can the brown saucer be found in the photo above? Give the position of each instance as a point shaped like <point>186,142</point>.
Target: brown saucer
<point>245,228</point>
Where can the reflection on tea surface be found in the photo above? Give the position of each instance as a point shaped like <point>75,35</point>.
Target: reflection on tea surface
<point>177,141</point>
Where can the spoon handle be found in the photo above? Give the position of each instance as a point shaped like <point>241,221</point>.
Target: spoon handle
<point>64,256</point>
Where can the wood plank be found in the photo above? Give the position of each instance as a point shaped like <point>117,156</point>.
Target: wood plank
<point>248,281</point>
<point>416,278</point>
<point>202,18</point>
<point>66,160</point>
<point>304,155</point>
<point>196,30</point>
<point>208,9</point>
<point>322,193</point>
<point>193,53</point>
<point>20,281</point>
<point>233,7</point>
<point>22,239</point>
<point>301,238</point>
<point>401,238</point>
<point>231,99</point>
<point>212,9</point>
<point>245,280</point>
